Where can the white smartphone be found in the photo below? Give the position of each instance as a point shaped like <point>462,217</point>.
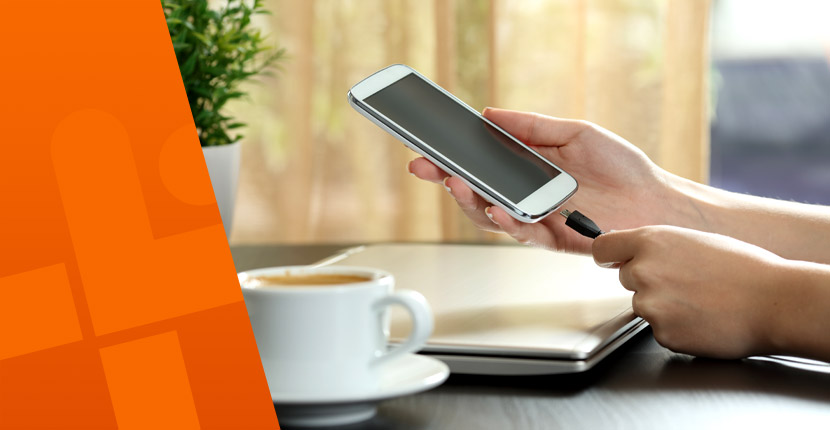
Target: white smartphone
<point>457,139</point>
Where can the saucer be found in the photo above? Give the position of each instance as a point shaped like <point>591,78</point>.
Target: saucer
<point>407,374</point>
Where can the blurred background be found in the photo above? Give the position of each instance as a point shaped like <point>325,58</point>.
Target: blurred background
<point>735,93</point>
<point>771,124</point>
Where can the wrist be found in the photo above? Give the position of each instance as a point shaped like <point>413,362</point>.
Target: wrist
<point>795,314</point>
<point>775,306</point>
<point>690,204</point>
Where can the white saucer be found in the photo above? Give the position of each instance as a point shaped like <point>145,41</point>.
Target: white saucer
<point>408,374</point>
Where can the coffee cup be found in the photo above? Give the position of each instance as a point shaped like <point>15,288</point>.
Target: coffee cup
<point>323,330</point>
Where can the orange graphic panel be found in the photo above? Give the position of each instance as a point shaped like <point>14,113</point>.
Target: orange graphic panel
<point>110,229</point>
<point>148,384</point>
<point>61,387</point>
<point>184,181</point>
<point>39,305</point>
<point>119,304</point>
<point>214,381</point>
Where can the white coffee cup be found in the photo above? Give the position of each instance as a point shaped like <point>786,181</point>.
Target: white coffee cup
<point>328,339</point>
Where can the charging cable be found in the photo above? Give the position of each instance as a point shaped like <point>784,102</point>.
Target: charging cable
<point>581,224</point>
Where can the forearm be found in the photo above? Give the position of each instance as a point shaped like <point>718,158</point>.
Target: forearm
<point>798,321</point>
<point>794,231</point>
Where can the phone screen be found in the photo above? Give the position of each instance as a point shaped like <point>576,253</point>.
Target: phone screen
<point>462,137</point>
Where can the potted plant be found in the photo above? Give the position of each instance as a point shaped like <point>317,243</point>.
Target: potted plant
<point>218,49</point>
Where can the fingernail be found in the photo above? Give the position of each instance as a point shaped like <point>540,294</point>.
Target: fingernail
<point>607,265</point>
<point>447,187</point>
<point>489,215</point>
<point>409,168</point>
<point>486,109</point>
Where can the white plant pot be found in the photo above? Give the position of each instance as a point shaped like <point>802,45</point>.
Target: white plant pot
<point>223,166</point>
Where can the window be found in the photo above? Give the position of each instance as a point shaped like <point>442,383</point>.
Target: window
<point>770,132</point>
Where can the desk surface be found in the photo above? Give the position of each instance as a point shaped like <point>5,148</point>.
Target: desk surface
<point>642,385</point>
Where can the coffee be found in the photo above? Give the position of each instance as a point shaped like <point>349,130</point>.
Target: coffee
<point>317,279</point>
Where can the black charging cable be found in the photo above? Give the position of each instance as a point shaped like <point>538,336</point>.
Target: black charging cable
<point>581,224</point>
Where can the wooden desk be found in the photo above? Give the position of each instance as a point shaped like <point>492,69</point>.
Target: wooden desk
<point>640,386</point>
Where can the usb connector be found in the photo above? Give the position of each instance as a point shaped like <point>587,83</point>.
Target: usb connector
<point>581,224</point>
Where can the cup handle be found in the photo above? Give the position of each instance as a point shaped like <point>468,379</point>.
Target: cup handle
<point>422,322</point>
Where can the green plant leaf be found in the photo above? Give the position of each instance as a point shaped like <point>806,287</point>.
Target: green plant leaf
<point>217,49</point>
<point>189,64</point>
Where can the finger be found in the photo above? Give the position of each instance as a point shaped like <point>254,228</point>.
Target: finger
<point>466,198</point>
<point>424,169</point>
<point>536,129</point>
<point>637,306</point>
<point>643,307</point>
<point>627,279</point>
<point>526,233</point>
<point>470,203</point>
<point>615,247</point>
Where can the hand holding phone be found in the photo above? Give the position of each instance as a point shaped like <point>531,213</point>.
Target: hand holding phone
<point>619,187</point>
<point>434,123</point>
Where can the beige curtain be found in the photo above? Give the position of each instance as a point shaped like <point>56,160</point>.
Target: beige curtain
<point>313,170</point>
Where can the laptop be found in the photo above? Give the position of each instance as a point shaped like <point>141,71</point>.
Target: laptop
<point>507,309</point>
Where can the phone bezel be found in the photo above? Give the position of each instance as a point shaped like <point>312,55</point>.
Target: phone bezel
<point>532,208</point>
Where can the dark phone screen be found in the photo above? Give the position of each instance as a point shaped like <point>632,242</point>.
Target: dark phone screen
<point>462,137</point>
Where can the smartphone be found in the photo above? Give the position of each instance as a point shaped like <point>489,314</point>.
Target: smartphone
<point>457,139</point>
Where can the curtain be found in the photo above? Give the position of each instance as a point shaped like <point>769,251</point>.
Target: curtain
<point>314,170</point>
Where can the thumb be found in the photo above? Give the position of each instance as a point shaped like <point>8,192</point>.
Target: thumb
<point>615,247</point>
<point>536,129</point>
